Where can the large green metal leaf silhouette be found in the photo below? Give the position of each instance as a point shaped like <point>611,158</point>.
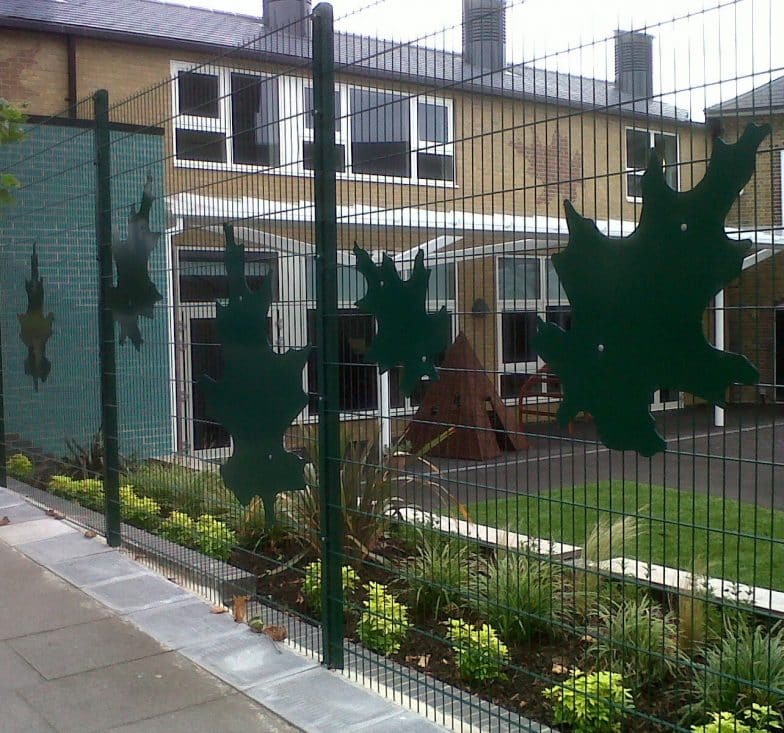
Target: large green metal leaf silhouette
<point>260,393</point>
<point>135,294</point>
<point>407,335</point>
<point>638,302</point>
<point>35,328</point>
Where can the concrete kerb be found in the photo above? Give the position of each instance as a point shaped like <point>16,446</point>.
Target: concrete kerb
<point>416,702</point>
<point>232,653</point>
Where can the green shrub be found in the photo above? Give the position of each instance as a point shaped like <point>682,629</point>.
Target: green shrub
<point>441,573</point>
<point>522,596</point>
<point>214,538</point>
<point>180,489</point>
<point>757,719</point>
<point>20,466</point>
<point>481,655</point>
<point>311,587</point>
<point>180,528</point>
<point>744,668</point>
<point>141,511</point>
<point>638,639</point>
<point>590,703</point>
<point>87,492</point>
<point>384,622</point>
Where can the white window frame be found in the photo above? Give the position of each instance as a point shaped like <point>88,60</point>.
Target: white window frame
<point>629,170</point>
<point>293,131</point>
<point>223,124</point>
<point>537,306</point>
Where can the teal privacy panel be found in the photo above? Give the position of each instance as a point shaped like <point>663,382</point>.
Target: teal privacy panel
<point>55,209</point>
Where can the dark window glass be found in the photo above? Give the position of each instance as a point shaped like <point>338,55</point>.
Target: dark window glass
<point>200,145</point>
<point>633,185</point>
<point>206,359</point>
<point>433,122</point>
<point>199,94</point>
<point>309,109</point>
<point>638,146</point>
<point>357,378</point>
<point>380,133</point>
<point>435,167</point>
<point>511,384</point>
<point>666,147</point>
<point>517,330</point>
<point>561,315</point>
<point>203,275</point>
<point>307,156</point>
<point>255,120</point>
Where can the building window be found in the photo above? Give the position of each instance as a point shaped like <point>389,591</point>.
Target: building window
<point>227,117</point>
<point>240,119</point>
<point>380,133</point>
<point>528,289</point>
<point>435,155</point>
<point>639,144</point>
<point>307,142</point>
<point>255,120</point>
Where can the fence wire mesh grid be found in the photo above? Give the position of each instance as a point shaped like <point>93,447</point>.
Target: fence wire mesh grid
<point>222,398</point>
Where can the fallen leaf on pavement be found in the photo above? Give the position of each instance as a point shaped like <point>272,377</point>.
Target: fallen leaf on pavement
<point>4,521</point>
<point>218,609</point>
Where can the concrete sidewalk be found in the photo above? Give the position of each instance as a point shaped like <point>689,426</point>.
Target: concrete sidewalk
<point>92,641</point>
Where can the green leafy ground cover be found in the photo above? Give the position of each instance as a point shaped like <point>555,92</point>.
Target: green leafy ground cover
<point>721,537</point>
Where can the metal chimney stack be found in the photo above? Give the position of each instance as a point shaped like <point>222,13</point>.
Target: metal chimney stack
<point>634,63</point>
<point>288,15</point>
<point>484,33</point>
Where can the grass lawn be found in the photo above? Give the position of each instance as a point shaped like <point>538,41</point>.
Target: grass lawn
<point>724,538</point>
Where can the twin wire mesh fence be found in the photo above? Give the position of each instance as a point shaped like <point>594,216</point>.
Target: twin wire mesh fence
<point>453,545</point>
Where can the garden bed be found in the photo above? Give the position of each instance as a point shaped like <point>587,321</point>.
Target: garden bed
<point>547,623</point>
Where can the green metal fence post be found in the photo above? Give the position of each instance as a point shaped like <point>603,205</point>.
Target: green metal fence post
<point>103,233</point>
<point>327,313</point>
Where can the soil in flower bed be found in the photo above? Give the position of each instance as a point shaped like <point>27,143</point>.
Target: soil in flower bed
<point>539,662</point>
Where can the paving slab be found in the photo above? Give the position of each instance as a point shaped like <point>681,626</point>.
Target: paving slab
<point>124,693</point>
<point>40,601</point>
<point>187,623</point>
<point>65,547</point>
<point>19,717</point>
<point>19,513</point>
<point>320,701</point>
<point>136,593</point>
<point>84,571</point>
<point>248,659</point>
<point>233,714</point>
<point>39,529</point>
<point>9,498</point>
<point>15,671</point>
<point>83,647</point>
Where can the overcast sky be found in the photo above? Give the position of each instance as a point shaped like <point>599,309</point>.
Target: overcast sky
<point>722,47</point>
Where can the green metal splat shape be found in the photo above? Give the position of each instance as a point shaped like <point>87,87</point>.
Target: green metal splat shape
<point>638,302</point>
<point>35,328</point>
<point>135,294</point>
<point>260,393</point>
<point>407,335</point>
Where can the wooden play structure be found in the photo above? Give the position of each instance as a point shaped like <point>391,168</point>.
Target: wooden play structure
<point>465,398</point>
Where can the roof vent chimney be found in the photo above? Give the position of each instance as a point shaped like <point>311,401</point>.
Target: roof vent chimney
<point>288,15</point>
<point>634,63</point>
<point>484,33</point>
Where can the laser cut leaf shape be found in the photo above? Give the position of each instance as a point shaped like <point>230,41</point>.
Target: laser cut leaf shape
<point>135,294</point>
<point>35,328</point>
<point>407,335</point>
<point>638,302</point>
<point>260,393</point>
